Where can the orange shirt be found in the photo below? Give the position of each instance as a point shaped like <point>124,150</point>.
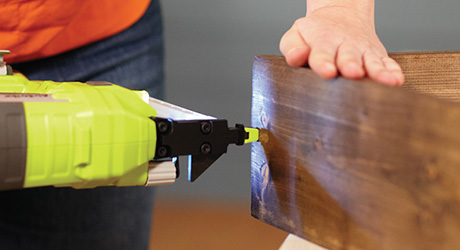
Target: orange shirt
<point>33,29</point>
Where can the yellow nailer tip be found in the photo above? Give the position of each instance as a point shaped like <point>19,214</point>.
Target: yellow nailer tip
<point>253,135</point>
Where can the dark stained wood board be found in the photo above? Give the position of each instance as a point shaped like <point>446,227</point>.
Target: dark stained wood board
<point>355,164</point>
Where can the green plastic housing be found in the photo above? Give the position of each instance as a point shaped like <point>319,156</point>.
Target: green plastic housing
<point>84,135</point>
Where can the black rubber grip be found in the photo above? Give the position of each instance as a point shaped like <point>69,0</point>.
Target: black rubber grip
<point>13,145</point>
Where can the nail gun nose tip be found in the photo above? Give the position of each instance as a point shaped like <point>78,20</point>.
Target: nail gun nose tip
<point>253,134</point>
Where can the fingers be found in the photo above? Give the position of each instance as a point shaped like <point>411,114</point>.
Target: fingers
<point>350,62</point>
<point>294,48</point>
<point>297,53</point>
<point>322,60</point>
<point>394,68</point>
<point>384,70</point>
<point>329,55</point>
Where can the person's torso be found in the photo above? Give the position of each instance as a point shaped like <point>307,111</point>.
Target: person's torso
<point>33,29</point>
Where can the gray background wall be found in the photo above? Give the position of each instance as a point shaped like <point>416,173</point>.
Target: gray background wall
<point>209,51</point>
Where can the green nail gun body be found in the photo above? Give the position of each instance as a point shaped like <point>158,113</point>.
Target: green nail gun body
<point>85,135</point>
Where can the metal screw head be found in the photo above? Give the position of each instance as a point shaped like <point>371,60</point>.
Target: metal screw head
<point>163,127</point>
<point>162,151</point>
<point>206,148</point>
<point>206,127</point>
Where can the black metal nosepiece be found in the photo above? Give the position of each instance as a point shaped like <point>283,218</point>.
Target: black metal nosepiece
<point>197,164</point>
<point>204,141</point>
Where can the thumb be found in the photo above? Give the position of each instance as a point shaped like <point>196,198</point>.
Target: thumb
<point>294,48</point>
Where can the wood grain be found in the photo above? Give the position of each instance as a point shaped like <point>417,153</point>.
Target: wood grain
<point>434,73</point>
<point>355,164</point>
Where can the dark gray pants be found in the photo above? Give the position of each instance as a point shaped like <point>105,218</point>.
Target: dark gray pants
<point>101,218</point>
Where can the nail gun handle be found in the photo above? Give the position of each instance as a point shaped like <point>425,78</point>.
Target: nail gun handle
<point>13,146</point>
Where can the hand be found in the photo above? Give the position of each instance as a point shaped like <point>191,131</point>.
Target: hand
<point>337,39</point>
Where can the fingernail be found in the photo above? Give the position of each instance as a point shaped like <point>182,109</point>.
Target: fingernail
<point>400,79</point>
<point>292,51</point>
<point>329,66</point>
<point>295,50</point>
<point>327,70</point>
<point>388,78</point>
<point>354,67</point>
